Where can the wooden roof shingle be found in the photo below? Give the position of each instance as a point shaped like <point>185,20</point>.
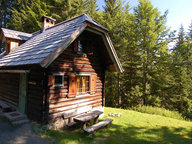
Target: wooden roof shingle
<point>15,34</point>
<point>42,45</point>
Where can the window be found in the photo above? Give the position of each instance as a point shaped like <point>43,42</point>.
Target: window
<point>80,46</point>
<point>83,85</point>
<point>58,80</point>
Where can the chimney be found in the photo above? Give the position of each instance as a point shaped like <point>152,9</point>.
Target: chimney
<point>47,22</point>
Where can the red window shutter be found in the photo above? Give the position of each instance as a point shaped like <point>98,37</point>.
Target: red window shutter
<point>76,46</point>
<point>93,84</point>
<point>51,80</point>
<point>72,85</point>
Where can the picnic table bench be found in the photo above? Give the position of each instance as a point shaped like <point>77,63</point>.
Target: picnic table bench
<point>97,126</point>
<point>85,118</point>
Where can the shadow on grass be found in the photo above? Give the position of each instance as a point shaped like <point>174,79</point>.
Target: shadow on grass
<point>126,134</point>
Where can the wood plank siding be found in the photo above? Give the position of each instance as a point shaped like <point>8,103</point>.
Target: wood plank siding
<point>70,62</point>
<point>9,88</point>
<point>35,94</point>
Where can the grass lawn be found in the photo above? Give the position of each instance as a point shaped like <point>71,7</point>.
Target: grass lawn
<point>131,128</point>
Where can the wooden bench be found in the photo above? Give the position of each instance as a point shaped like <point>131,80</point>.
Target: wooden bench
<point>72,113</point>
<point>97,126</point>
<point>85,118</point>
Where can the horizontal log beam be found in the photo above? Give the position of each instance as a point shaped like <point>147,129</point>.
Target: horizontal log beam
<point>14,71</point>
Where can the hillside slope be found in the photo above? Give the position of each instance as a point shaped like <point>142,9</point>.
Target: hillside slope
<point>135,127</point>
<point>131,128</point>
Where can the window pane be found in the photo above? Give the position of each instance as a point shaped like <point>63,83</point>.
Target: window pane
<point>58,79</point>
<point>82,84</point>
<point>80,46</point>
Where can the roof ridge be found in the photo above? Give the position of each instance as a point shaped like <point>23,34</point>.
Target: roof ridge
<point>65,21</point>
<point>60,23</point>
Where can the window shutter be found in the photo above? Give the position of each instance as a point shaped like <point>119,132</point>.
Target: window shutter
<point>76,46</point>
<point>93,84</point>
<point>51,80</point>
<point>72,85</point>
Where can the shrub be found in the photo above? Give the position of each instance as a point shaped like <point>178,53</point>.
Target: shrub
<point>159,111</point>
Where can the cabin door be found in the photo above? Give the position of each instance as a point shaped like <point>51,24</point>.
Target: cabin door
<point>23,93</point>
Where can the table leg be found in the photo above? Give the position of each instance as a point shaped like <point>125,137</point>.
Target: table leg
<point>96,120</point>
<point>84,125</point>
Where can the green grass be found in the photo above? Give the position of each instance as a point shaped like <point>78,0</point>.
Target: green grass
<point>159,111</point>
<point>131,128</point>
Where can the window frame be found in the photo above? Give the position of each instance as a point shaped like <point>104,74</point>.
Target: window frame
<point>81,51</point>
<point>59,74</point>
<point>88,93</point>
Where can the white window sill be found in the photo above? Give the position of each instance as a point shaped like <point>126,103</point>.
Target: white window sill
<point>82,95</point>
<point>58,85</point>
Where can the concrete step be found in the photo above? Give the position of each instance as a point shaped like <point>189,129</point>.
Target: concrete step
<point>20,122</point>
<point>5,107</point>
<point>14,116</point>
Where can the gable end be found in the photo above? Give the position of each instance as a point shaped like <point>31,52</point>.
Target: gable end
<point>92,28</point>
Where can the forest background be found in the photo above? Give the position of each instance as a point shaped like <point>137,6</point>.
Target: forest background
<point>155,73</point>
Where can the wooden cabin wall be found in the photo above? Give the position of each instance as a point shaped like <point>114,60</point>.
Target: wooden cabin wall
<point>35,94</point>
<point>70,62</point>
<point>9,87</point>
<point>9,90</point>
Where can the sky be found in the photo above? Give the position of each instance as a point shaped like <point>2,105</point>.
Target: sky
<point>179,11</point>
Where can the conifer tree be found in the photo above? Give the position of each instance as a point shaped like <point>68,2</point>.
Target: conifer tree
<point>5,13</point>
<point>5,9</point>
<point>113,17</point>
<point>130,58</point>
<point>182,71</point>
<point>190,31</point>
<point>65,9</point>
<point>151,33</point>
<point>92,9</point>
<point>26,15</point>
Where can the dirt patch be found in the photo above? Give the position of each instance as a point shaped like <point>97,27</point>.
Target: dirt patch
<point>20,134</point>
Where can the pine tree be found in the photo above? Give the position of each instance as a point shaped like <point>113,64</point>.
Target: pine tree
<point>190,31</point>
<point>5,8</point>
<point>151,33</point>
<point>182,71</point>
<point>26,15</point>
<point>5,13</point>
<point>92,9</point>
<point>113,17</point>
<point>130,58</point>
<point>65,9</point>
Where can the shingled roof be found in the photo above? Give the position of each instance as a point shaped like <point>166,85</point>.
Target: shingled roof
<point>15,34</point>
<point>50,43</point>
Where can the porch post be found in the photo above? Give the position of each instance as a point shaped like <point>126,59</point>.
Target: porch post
<point>23,86</point>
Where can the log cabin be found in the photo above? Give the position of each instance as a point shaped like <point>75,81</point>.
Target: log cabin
<point>58,72</point>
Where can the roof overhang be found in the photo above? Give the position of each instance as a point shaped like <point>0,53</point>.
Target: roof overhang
<point>92,28</point>
<point>16,35</point>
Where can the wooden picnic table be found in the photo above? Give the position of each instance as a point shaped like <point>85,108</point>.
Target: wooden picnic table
<point>85,118</point>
